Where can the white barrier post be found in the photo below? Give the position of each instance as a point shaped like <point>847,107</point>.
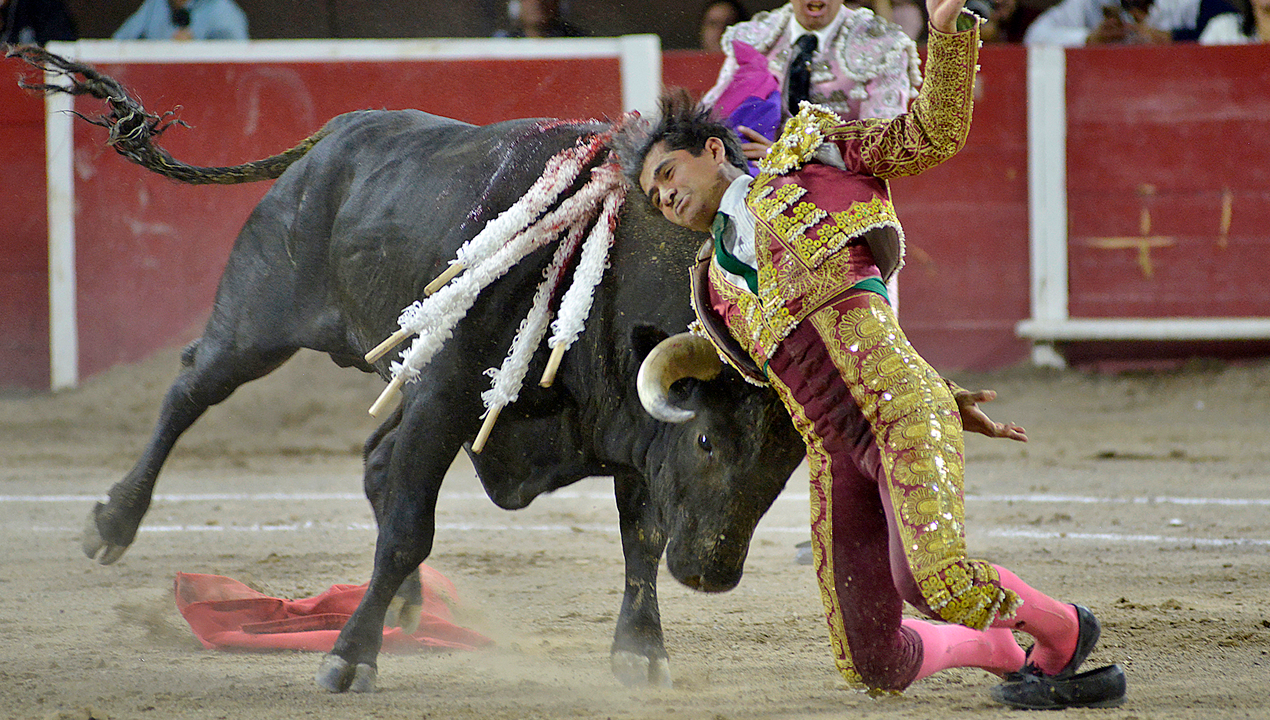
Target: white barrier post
<point>1047,191</point>
<point>59,158</point>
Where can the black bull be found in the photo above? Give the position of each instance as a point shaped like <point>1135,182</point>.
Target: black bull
<point>350,234</point>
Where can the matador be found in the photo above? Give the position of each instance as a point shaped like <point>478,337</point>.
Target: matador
<point>791,290</point>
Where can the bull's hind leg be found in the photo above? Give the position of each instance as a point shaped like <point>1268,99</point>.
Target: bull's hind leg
<point>638,656</point>
<point>210,371</point>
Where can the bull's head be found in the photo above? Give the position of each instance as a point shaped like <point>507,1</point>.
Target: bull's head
<point>729,449</point>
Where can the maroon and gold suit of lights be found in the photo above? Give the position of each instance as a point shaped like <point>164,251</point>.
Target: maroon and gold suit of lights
<point>883,435</point>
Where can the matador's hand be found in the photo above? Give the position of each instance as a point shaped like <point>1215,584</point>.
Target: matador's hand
<point>974,419</point>
<point>753,144</point>
<point>943,14</point>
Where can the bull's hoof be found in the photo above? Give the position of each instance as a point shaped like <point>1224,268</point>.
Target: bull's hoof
<point>337,676</point>
<point>634,670</point>
<point>403,615</point>
<point>93,543</point>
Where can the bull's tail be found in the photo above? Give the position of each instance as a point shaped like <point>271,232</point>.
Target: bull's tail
<point>133,129</point>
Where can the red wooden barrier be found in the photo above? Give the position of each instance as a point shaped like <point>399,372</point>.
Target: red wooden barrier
<point>24,307</point>
<point>1178,132</point>
<point>1168,169</point>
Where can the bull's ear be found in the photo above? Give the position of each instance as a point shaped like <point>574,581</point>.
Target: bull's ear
<point>644,338</point>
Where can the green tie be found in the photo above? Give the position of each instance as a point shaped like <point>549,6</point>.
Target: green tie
<point>727,260</point>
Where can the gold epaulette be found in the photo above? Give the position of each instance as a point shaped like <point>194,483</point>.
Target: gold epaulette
<point>802,137</point>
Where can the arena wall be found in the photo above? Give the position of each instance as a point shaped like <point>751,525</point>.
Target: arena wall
<point>24,310</point>
<point>1156,208</point>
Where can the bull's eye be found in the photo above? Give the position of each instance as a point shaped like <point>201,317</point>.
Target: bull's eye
<point>703,442</point>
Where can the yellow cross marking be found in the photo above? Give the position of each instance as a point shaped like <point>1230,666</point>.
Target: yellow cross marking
<point>1227,208</point>
<point>1143,245</point>
<point>1146,240</point>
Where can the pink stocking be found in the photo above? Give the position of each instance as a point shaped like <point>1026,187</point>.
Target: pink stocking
<point>1053,624</point>
<point>949,646</point>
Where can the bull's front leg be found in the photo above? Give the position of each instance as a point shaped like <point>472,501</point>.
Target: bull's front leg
<point>405,508</point>
<point>352,665</point>
<point>405,539</point>
<point>406,607</point>
<point>638,655</point>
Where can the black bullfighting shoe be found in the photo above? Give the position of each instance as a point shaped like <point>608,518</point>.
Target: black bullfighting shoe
<point>1101,688</point>
<point>1089,630</point>
<point>1032,689</point>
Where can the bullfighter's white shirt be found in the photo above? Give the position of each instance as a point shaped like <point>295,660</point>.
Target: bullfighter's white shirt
<point>824,36</point>
<point>738,236</point>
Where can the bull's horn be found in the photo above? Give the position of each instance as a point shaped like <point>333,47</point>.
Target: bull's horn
<point>683,355</point>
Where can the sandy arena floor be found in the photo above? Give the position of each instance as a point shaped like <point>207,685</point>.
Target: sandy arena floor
<point>1145,497</point>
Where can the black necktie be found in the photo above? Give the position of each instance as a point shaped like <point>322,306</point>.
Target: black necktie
<point>799,86</point>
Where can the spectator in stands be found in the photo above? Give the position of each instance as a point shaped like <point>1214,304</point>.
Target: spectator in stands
<point>1250,25</point>
<point>910,15</point>
<point>849,60</point>
<point>35,22</point>
<point>1110,22</point>
<point>185,20</point>
<point>539,19</point>
<point>717,16</point>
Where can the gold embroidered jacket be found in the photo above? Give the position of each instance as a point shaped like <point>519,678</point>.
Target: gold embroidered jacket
<point>821,228</point>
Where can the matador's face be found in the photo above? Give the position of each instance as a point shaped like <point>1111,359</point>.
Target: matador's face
<point>686,188</point>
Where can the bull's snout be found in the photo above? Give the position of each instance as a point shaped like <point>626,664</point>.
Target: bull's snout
<point>710,584</point>
<point>715,567</point>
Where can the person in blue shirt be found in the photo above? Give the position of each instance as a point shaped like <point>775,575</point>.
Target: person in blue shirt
<point>185,20</point>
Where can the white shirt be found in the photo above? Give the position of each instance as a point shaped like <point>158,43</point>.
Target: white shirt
<point>1069,22</point>
<point>1225,29</point>
<point>738,236</point>
<point>824,36</point>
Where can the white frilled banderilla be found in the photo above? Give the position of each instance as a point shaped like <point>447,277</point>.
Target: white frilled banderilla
<point>520,230</point>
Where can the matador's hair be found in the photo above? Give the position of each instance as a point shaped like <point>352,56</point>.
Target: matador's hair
<point>683,125</point>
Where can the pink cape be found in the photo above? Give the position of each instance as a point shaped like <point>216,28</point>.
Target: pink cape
<point>752,82</point>
<point>227,615</point>
<point>752,98</point>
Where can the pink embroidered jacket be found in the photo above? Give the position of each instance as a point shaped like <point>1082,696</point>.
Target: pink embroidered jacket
<point>870,69</point>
